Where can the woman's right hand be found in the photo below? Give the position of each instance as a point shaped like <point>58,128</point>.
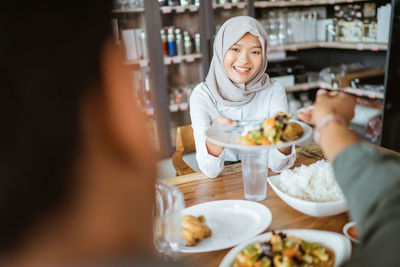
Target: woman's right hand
<point>213,149</point>
<point>224,120</point>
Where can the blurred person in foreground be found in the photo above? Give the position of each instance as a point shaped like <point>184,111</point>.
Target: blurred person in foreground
<point>77,169</point>
<point>370,180</point>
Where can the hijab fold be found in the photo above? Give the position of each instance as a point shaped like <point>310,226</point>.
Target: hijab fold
<point>224,90</point>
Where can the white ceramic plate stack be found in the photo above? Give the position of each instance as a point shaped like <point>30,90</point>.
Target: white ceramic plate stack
<point>231,222</point>
<point>337,242</point>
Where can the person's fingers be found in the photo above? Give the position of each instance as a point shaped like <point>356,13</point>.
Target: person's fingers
<point>224,120</point>
<point>305,116</point>
<point>321,92</point>
<point>335,93</point>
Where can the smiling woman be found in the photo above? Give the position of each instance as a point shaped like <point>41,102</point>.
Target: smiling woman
<point>236,88</point>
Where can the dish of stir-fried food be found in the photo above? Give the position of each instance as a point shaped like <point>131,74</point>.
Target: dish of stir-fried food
<point>272,131</point>
<point>285,251</point>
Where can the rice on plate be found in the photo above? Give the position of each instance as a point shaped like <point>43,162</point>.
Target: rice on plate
<point>315,182</point>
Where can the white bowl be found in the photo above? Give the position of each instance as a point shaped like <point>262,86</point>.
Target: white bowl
<point>337,242</point>
<point>346,228</point>
<point>312,208</point>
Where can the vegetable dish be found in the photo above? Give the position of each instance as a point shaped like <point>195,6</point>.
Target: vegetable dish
<point>272,131</point>
<point>285,251</point>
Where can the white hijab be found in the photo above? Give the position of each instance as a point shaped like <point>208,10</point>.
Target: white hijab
<point>224,90</point>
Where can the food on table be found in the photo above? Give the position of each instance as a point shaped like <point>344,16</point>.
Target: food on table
<point>284,251</point>
<point>273,131</point>
<point>315,182</point>
<point>194,229</point>
<point>353,232</point>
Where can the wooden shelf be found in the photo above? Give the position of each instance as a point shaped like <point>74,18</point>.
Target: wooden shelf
<point>302,87</point>
<point>266,4</point>
<point>317,85</point>
<point>167,60</point>
<point>180,59</point>
<point>179,9</point>
<point>131,10</point>
<point>335,45</point>
<point>239,5</point>
<point>355,46</point>
<point>164,9</point>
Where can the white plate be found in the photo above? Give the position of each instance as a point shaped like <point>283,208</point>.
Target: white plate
<point>346,228</point>
<point>231,222</point>
<point>228,136</point>
<point>337,242</point>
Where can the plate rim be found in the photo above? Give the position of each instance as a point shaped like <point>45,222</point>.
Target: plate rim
<point>227,260</point>
<point>307,132</point>
<point>346,231</point>
<point>262,227</point>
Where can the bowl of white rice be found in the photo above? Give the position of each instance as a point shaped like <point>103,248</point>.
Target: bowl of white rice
<point>311,189</point>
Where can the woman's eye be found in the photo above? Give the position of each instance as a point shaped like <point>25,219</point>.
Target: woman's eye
<point>235,49</point>
<point>256,52</point>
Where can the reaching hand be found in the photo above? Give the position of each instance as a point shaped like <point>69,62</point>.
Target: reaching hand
<point>334,102</point>
<point>337,103</point>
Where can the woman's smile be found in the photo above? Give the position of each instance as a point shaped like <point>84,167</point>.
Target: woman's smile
<point>241,70</point>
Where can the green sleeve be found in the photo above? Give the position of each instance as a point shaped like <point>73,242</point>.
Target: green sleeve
<point>370,181</point>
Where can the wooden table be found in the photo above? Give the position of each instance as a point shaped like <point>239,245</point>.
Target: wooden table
<point>197,188</point>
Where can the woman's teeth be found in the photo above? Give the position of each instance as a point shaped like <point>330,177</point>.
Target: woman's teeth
<point>241,69</point>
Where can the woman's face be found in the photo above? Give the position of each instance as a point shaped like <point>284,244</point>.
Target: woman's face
<point>243,60</point>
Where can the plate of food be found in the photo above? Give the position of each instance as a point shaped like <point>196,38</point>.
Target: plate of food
<point>259,134</point>
<point>297,247</point>
<point>222,224</point>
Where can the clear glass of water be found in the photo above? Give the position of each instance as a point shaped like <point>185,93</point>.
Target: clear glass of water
<point>169,203</point>
<point>255,171</point>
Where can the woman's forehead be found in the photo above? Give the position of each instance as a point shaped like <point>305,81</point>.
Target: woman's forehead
<point>249,38</point>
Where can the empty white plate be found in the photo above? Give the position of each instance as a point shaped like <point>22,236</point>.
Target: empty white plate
<point>231,222</point>
<point>337,242</point>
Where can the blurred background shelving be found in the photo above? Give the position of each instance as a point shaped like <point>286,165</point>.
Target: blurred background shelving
<point>312,44</point>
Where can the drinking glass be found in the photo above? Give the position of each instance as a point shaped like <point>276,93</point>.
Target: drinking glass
<point>255,171</point>
<point>167,219</point>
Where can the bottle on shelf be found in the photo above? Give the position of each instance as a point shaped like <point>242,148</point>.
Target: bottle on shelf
<point>143,45</point>
<point>164,42</point>
<point>149,107</point>
<point>197,42</point>
<point>171,42</point>
<point>188,43</point>
<point>179,42</point>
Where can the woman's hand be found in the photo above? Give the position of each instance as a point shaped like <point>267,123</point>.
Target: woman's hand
<point>213,149</point>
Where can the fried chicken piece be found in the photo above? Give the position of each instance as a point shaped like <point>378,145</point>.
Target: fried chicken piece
<point>292,131</point>
<point>194,230</point>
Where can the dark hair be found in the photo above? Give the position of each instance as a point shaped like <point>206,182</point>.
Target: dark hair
<point>49,54</point>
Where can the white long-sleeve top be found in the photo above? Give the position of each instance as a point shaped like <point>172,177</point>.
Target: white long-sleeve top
<point>204,110</point>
